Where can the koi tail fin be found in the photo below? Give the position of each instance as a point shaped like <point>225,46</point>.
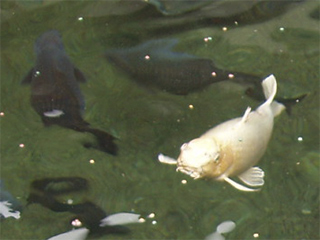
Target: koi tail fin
<point>269,86</point>
<point>105,140</point>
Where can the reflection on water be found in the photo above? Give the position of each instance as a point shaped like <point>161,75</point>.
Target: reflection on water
<point>251,38</point>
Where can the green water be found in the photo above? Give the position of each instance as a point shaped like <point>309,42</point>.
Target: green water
<point>149,122</point>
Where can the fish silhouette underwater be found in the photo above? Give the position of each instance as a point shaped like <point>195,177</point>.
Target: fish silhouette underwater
<point>233,147</point>
<point>154,64</point>
<point>55,91</point>
<point>46,191</point>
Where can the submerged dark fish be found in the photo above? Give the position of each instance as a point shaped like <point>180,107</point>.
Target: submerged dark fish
<point>55,92</point>
<point>44,192</point>
<point>154,64</point>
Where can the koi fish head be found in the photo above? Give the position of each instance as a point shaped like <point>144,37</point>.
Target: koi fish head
<point>197,154</point>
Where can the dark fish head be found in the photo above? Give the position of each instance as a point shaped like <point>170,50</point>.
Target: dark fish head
<point>49,39</point>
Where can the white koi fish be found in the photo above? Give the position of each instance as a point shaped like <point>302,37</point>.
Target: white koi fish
<point>233,147</point>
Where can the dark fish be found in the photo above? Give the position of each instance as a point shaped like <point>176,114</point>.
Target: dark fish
<point>44,192</point>
<point>154,64</point>
<point>55,92</point>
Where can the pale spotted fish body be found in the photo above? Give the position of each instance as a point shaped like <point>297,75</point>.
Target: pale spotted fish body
<point>232,148</point>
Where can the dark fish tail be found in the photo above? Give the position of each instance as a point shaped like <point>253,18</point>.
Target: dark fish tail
<point>290,102</point>
<point>105,140</point>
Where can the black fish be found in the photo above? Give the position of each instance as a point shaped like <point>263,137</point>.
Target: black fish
<point>55,92</point>
<point>90,215</point>
<point>154,64</point>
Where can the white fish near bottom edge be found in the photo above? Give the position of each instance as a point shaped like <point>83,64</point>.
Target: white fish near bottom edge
<point>7,211</point>
<point>224,227</point>
<point>120,219</point>
<point>232,148</point>
<point>75,234</point>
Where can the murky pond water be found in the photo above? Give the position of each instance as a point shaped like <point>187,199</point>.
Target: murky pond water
<point>254,40</point>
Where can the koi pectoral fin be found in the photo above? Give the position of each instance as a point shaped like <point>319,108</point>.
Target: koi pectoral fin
<point>253,177</point>
<point>240,187</point>
<point>167,160</point>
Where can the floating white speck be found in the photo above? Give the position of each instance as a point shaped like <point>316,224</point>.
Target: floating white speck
<point>120,219</point>
<point>213,74</point>
<point>224,29</point>
<point>151,215</point>
<point>184,181</point>
<point>281,29</point>
<point>1,114</point>
<point>300,139</point>
<point>256,235</point>
<point>91,161</point>
<point>191,106</point>
<point>80,18</point>
<point>230,76</point>
<point>77,234</point>
<point>76,223</point>
<point>21,145</point>
<point>146,57</point>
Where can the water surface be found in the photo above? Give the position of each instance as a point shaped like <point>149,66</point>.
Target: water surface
<point>147,122</point>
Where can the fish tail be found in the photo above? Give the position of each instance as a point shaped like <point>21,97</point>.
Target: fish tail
<point>290,102</point>
<point>105,140</point>
<point>269,86</point>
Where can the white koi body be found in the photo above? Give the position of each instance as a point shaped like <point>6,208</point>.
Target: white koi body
<point>233,147</point>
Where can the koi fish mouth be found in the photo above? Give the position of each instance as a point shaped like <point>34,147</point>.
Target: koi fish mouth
<point>195,173</point>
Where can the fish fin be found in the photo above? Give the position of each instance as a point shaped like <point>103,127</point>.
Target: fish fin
<point>120,219</point>
<point>253,177</point>
<point>54,113</point>
<point>269,86</point>
<point>105,140</point>
<point>245,115</point>
<point>79,75</point>
<point>28,78</point>
<point>167,160</point>
<point>239,186</point>
<point>289,103</point>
